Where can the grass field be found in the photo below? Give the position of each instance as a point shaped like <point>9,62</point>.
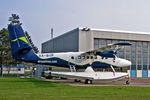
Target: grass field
<point>35,89</point>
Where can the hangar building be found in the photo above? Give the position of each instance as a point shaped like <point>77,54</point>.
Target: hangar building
<point>85,39</point>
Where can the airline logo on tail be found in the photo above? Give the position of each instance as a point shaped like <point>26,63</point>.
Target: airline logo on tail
<point>20,38</point>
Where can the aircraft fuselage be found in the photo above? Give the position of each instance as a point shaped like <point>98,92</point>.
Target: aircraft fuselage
<point>75,58</point>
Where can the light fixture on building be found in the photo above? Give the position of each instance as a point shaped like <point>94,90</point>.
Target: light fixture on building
<point>86,29</point>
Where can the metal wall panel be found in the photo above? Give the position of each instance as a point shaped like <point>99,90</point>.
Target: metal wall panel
<point>67,42</point>
<point>86,40</point>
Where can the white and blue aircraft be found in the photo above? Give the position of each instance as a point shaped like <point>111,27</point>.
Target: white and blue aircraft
<point>101,57</point>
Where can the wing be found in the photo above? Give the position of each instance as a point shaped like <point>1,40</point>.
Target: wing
<point>108,51</point>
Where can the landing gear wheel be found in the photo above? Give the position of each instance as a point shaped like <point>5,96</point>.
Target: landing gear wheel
<point>77,80</point>
<point>91,81</point>
<point>87,81</point>
<point>127,82</point>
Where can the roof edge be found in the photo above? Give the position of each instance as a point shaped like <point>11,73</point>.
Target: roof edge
<point>118,31</point>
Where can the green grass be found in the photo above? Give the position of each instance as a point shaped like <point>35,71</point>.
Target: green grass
<point>9,75</point>
<point>35,89</point>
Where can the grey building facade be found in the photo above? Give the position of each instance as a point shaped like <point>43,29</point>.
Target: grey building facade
<point>63,43</point>
<point>85,39</point>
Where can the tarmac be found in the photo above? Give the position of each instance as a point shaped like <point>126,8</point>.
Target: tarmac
<point>143,82</point>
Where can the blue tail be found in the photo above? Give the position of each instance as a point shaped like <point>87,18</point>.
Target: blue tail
<point>20,45</point>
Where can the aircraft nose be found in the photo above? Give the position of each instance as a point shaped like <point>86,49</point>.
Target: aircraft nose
<point>124,63</point>
<point>128,63</point>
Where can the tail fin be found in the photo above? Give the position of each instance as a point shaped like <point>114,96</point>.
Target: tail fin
<point>19,43</point>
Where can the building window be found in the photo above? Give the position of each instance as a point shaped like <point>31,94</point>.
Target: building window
<point>139,67</point>
<point>109,41</point>
<point>139,44</point>
<point>145,44</point>
<point>133,67</point>
<point>96,44</point>
<point>133,44</point>
<point>144,67</point>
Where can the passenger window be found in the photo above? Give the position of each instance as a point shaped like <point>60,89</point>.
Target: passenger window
<point>91,57</point>
<point>87,57</point>
<point>95,57</point>
<point>83,57</point>
<point>72,57</point>
<point>79,57</point>
<point>113,59</point>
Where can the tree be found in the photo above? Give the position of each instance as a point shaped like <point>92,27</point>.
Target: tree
<point>5,52</point>
<point>32,44</point>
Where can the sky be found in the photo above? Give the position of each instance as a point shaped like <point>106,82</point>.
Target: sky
<point>39,16</point>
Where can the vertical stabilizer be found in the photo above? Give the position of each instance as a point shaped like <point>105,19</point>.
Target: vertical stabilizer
<point>18,41</point>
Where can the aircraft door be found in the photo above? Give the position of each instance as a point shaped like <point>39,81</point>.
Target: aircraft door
<point>71,63</point>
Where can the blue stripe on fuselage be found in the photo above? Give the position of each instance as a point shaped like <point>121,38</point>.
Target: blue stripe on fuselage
<point>32,57</point>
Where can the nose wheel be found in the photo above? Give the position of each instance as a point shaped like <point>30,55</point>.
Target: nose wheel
<point>76,80</point>
<point>127,82</point>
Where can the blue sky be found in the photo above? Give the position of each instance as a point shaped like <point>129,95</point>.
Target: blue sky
<point>38,16</point>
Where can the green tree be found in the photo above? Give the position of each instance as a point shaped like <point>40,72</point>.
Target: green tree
<point>32,44</point>
<point>5,53</point>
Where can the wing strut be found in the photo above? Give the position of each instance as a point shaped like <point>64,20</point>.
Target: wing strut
<point>113,69</point>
